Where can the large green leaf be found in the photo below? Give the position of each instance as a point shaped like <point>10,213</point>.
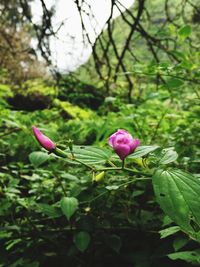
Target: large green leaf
<point>178,194</point>
<point>91,155</point>
<point>69,205</point>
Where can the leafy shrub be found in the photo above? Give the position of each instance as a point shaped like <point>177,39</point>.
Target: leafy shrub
<point>80,93</point>
<point>34,95</point>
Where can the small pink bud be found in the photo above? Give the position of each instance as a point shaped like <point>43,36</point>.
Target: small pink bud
<point>123,143</point>
<point>43,140</point>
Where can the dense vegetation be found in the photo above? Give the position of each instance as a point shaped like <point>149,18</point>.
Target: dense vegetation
<point>86,211</point>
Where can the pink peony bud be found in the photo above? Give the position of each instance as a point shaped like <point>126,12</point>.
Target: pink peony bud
<point>43,140</point>
<point>123,143</point>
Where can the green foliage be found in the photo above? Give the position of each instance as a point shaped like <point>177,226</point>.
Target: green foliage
<point>185,31</point>
<point>70,111</point>
<point>50,211</point>
<point>82,240</point>
<point>37,158</point>
<point>143,150</point>
<point>32,95</point>
<point>58,212</point>
<point>91,155</point>
<point>169,156</point>
<point>80,93</point>
<point>188,256</point>
<point>69,205</point>
<point>169,231</point>
<point>177,193</point>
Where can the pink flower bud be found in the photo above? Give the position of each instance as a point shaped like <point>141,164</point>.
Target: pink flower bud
<point>123,143</point>
<point>43,140</point>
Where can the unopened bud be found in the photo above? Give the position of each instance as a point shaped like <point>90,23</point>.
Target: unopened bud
<point>87,209</point>
<point>97,178</point>
<point>43,140</point>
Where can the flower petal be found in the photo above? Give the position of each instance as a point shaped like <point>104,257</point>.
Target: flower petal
<point>134,144</point>
<point>122,151</point>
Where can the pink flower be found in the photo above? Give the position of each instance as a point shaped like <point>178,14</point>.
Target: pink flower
<point>43,140</point>
<point>123,143</point>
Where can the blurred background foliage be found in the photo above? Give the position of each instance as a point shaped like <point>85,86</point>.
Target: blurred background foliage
<point>144,79</point>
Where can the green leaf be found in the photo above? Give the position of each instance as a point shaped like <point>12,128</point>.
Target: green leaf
<point>189,256</point>
<point>178,194</point>
<point>185,31</point>
<point>82,240</point>
<point>169,156</point>
<point>12,243</point>
<point>137,193</point>
<point>69,205</point>
<point>179,243</point>
<point>91,155</point>
<point>166,221</point>
<point>174,83</point>
<point>37,158</point>
<point>169,231</point>
<point>4,234</point>
<point>179,54</point>
<point>112,187</point>
<point>50,211</point>
<point>142,151</point>
<point>114,242</point>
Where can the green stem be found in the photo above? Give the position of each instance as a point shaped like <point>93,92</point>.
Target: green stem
<point>61,185</point>
<point>109,169</point>
<point>125,169</point>
<point>60,153</point>
<point>136,172</point>
<point>123,164</point>
<point>85,164</point>
<point>72,153</point>
<point>111,163</point>
<point>134,180</point>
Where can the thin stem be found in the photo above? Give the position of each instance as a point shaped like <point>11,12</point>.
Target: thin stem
<point>112,164</point>
<point>134,180</point>
<point>109,169</point>
<point>136,172</point>
<point>61,185</point>
<point>100,195</point>
<point>123,164</point>
<point>83,163</point>
<point>125,169</point>
<point>72,153</point>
